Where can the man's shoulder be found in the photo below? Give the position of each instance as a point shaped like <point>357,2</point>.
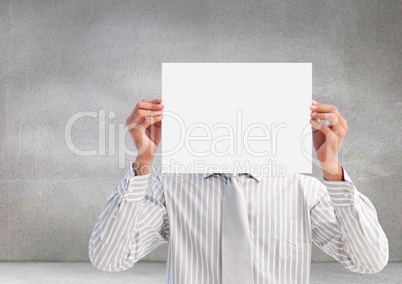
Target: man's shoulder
<point>310,183</point>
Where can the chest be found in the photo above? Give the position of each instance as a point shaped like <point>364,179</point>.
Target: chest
<point>199,203</point>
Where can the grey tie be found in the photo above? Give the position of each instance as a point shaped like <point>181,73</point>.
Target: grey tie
<point>236,247</point>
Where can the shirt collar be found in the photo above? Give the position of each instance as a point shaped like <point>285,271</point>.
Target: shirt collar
<point>255,176</point>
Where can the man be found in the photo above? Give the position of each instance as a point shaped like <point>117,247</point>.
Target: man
<point>285,214</point>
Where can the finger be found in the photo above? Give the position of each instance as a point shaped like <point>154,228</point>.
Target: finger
<point>154,101</point>
<point>147,122</point>
<point>318,107</point>
<point>329,116</point>
<point>143,114</point>
<point>327,108</point>
<point>318,126</point>
<point>147,106</point>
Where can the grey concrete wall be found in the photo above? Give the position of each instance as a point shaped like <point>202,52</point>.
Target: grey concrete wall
<point>58,58</point>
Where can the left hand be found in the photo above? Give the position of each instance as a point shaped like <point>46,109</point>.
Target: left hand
<point>328,139</point>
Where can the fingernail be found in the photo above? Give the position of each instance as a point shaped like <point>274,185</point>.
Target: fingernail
<point>314,102</point>
<point>313,107</point>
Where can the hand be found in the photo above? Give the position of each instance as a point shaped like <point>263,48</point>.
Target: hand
<point>328,139</point>
<point>145,124</point>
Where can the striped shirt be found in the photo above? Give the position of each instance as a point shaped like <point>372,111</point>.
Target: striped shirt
<point>286,214</point>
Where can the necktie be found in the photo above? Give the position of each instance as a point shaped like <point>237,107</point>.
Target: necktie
<point>236,247</point>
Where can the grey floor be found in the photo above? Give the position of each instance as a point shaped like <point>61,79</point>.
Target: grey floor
<point>152,273</point>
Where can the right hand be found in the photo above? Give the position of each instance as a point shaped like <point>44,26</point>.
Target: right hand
<point>145,125</point>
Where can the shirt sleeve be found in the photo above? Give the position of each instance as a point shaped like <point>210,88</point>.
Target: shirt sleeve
<point>345,226</point>
<point>132,222</point>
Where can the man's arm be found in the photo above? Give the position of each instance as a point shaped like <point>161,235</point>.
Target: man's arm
<point>132,223</point>
<point>344,224</point>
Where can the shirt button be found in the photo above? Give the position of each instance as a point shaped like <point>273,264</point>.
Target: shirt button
<point>346,194</point>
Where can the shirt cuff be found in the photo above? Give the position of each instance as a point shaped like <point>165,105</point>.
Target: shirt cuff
<point>342,193</point>
<point>136,186</point>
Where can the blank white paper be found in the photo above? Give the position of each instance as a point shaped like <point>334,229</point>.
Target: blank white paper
<point>236,117</point>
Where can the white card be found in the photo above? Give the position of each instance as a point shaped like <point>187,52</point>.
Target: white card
<point>236,117</point>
